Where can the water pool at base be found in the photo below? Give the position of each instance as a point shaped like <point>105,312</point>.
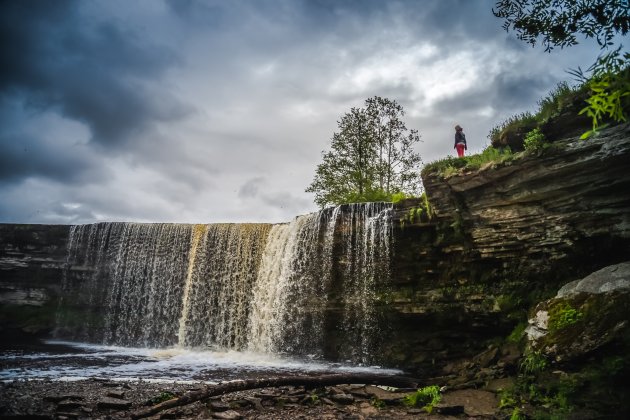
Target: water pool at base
<point>67,361</point>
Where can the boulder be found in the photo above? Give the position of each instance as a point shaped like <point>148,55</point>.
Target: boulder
<point>608,279</point>
<point>584,316</point>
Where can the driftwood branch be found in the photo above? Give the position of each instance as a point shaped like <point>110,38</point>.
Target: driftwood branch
<point>308,381</point>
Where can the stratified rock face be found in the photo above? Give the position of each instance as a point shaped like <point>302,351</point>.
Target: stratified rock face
<point>32,261</point>
<point>584,316</point>
<point>570,206</point>
<point>500,240</point>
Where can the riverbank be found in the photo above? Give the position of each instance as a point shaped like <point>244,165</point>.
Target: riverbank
<point>110,399</point>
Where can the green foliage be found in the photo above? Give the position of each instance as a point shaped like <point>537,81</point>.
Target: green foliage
<point>489,154</point>
<point>555,102</point>
<point>164,396</point>
<point>399,196</point>
<point>563,315</point>
<point>507,398</point>
<point>417,214</point>
<point>533,363</point>
<point>549,107</point>
<point>377,403</point>
<point>558,22</point>
<point>427,398</point>
<point>535,141</point>
<point>517,415</point>
<point>371,157</point>
<point>450,166</point>
<point>517,333</point>
<point>513,123</point>
<point>427,205</point>
<point>609,84</point>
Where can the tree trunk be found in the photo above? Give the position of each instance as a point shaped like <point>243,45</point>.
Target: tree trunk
<point>307,381</point>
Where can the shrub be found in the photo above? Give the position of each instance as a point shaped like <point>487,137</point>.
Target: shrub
<point>517,333</point>
<point>399,196</point>
<point>552,105</point>
<point>533,363</point>
<point>535,141</point>
<point>427,397</point>
<point>512,123</point>
<point>563,315</point>
<point>450,166</point>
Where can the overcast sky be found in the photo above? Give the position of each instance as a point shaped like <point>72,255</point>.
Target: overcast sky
<point>218,111</point>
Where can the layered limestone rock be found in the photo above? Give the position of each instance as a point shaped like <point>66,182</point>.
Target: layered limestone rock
<point>502,239</point>
<point>495,242</point>
<point>32,262</point>
<point>584,316</point>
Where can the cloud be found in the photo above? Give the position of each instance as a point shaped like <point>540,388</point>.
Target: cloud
<point>58,56</point>
<point>215,111</point>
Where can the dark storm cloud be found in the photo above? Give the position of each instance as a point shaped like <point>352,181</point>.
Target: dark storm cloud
<point>214,110</point>
<point>92,71</point>
<point>508,92</point>
<point>23,155</point>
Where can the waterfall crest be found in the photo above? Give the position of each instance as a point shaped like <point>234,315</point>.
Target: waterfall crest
<point>308,287</point>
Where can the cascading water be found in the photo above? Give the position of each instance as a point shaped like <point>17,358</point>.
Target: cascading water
<point>290,297</point>
<point>365,242</point>
<point>287,288</point>
<point>222,277</point>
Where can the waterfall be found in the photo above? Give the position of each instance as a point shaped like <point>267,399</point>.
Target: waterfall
<point>223,275</point>
<point>365,241</point>
<point>290,295</point>
<point>308,287</point>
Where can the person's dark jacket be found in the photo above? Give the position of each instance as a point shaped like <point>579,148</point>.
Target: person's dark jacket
<point>460,137</point>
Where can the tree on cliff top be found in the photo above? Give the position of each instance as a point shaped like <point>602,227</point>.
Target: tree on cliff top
<point>371,157</point>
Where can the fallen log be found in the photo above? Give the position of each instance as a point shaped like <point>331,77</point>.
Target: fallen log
<point>307,381</point>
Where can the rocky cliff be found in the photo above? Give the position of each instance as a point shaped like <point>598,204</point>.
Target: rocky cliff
<point>493,243</point>
<point>32,262</point>
<point>501,239</point>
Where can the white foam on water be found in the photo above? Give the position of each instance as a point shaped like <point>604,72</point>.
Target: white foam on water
<point>162,365</point>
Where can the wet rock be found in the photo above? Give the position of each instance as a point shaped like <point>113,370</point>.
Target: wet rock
<point>415,411</point>
<point>449,409</point>
<point>342,398</point>
<point>255,402</point>
<point>227,415</point>
<point>116,394</point>
<point>487,357</point>
<point>360,393</point>
<point>68,404</point>
<point>388,397</point>
<point>501,384</point>
<point>586,315</point>
<point>61,397</point>
<point>367,410</point>
<point>218,406</point>
<point>114,403</point>
<point>475,402</point>
<point>267,395</point>
<point>296,392</point>
<point>608,279</point>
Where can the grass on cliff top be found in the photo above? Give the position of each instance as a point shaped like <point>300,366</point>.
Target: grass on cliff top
<point>549,107</point>
<point>450,165</point>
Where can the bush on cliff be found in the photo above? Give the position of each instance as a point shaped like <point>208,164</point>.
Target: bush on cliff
<point>450,166</point>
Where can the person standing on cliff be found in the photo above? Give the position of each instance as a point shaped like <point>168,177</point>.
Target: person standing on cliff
<point>460,141</point>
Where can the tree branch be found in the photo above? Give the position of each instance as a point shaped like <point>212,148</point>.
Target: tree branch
<point>308,381</point>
